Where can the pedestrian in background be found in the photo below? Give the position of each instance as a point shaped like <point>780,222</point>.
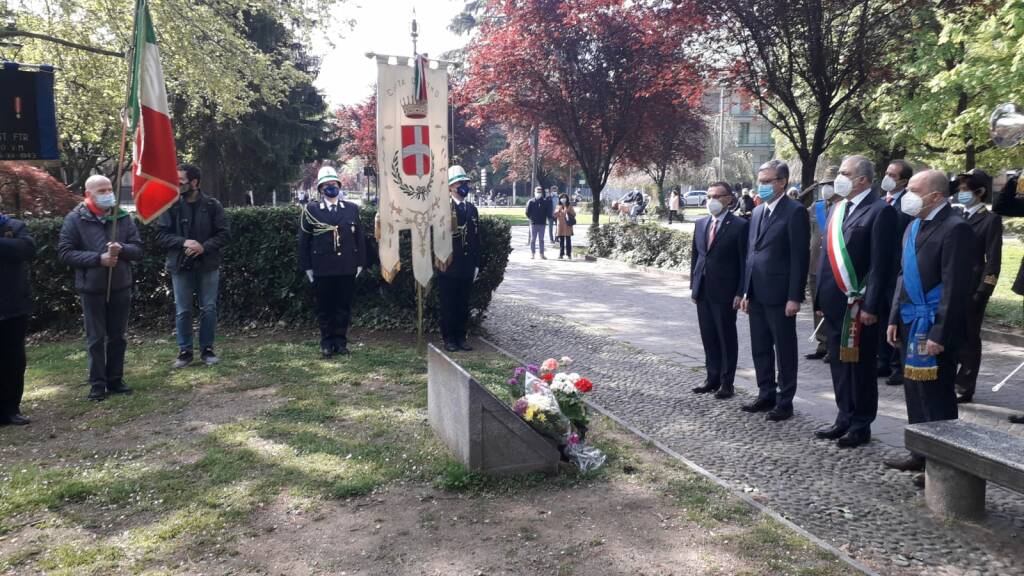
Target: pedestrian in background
<point>552,205</point>
<point>17,249</point>
<point>85,245</point>
<point>537,210</point>
<point>673,205</point>
<point>565,215</point>
<point>818,214</point>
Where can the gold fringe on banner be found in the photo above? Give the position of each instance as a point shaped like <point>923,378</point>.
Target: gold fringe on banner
<point>919,374</point>
<point>849,354</point>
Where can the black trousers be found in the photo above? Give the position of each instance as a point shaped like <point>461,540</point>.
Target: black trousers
<point>12,364</point>
<point>565,246</point>
<point>890,359</point>
<point>773,337</point>
<point>453,294</point>
<point>105,324</point>
<point>672,215</point>
<point>855,383</point>
<point>935,399</point>
<point>334,309</point>
<point>717,323</point>
<point>969,356</point>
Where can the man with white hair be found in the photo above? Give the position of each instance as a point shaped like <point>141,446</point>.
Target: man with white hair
<point>87,245</point>
<point>852,280</point>
<point>929,311</point>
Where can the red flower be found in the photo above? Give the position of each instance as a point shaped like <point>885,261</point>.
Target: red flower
<point>584,385</point>
<point>547,377</point>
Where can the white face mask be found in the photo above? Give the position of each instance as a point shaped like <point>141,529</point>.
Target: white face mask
<point>843,186</point>
<point>888,184</point>
<point>715,207</point>
<point>827,192</point>
<point>912,204</point>
<point>538,195</point>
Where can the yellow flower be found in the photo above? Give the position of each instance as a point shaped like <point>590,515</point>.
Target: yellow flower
<point>528,415</point>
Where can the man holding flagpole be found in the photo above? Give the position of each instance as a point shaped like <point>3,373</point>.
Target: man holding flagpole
<point>929,311</point>
<point>852,277</point>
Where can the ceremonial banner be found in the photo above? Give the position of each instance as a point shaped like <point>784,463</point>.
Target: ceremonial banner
<point>28,118</point>
<point>412,160</point>
<point>155,176</point>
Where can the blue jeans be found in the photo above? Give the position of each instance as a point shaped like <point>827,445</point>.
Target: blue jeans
<point>536,234</point>
<point>204,286</point>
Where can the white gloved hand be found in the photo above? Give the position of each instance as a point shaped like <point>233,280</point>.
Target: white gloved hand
<point>309,274</point>
<point>359,270</point>
<point>476,273</point>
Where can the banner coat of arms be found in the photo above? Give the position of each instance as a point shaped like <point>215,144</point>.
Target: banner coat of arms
<point>412,160</point>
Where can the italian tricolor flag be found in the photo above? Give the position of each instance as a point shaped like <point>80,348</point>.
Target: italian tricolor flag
<point>155,176</point>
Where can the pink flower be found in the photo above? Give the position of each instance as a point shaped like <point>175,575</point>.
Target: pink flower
<point>549,365</point>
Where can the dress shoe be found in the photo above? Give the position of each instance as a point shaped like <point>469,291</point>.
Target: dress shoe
<point>854,439</point>
<point>919,480</point>
<point>326,353</point>
<point>14,420</point>
<point>97,393</point>
<point>118,387</point>
<point>758,406</point>
<point>894,380</point>
<point>451,347</point>
<point>831,433</point>
<point>816,355</point>
<point>724,393</point>
<point>826,358</point>
<point>464,346</point>
<point>1016,418</point>
<point>341,350</point>
<point>907,464</point>
<point>778,415</point>
<point>705,388</point>
<point>964,399</point>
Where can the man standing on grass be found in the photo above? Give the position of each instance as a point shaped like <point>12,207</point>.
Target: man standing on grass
<point>455,281</point>
<point>86,246</point>
<point>194,231</point>
<point>17,248</point>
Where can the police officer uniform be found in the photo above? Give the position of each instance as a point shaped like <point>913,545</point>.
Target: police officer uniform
<point>332,252</point>
<point>455,281</point>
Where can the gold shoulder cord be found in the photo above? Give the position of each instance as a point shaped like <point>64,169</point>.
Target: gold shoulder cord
<point>319,227</point>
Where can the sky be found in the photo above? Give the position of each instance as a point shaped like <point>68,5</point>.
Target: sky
<point>381,26</point>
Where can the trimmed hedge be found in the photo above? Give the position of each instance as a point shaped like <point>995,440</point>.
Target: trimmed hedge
<point>643,244</point>
<point>260,280</point>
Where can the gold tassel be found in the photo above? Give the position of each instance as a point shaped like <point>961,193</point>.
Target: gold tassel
<point>849,355</point>
<point>919,374</point>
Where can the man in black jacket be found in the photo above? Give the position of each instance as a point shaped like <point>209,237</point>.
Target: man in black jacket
<point>929,312</point>
<point>986,255</point>
<point>853,276</point>
<point>894,184</point>
<point>538,210</point>
<point>17,248</point>
<point>775,284</point>
<point>455,281</point>
<point>86,245</point>
<point>194,232</point>
<point>332,252</point>
<point>718,257</point>
<point>1011,203</point>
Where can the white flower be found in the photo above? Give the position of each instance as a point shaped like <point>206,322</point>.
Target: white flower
<point>565,361</point>
<point>563,383</point>
<point>541,402</point>
<point>574,378</point>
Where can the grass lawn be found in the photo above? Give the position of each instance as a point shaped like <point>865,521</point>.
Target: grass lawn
<point>1005,307</point>
<point>278,462</point>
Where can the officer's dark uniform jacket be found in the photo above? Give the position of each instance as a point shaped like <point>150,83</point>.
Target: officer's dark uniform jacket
<point>331,242</point>
<point>465,241</point>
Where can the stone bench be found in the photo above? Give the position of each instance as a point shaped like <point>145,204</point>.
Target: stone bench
<point>481,430</point>
<point>961,458</point>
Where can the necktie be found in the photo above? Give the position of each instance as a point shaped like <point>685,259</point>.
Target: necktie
<point>889,199</point>
<point>714,230</point>
<point>333,208</point>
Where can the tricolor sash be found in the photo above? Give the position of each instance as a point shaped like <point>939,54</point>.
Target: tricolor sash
<point>849,284</point>
<point>918,314</point>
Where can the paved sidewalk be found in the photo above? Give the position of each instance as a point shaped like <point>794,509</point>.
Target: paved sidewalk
<point>635,335</point>
<point>654,313</point>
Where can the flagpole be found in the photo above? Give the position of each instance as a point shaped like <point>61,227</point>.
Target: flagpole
<point>130,55</point>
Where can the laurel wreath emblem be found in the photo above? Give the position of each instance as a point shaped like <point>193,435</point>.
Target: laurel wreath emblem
<point>415,192</point>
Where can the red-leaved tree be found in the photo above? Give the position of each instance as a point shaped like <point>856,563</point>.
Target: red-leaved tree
<point>358,130</point>
<point>674,134</point>
<point>588,70</point>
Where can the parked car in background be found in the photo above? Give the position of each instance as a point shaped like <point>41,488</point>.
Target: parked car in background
<point>695,198</point>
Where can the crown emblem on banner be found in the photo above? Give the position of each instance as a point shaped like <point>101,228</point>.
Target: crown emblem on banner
<point>414,108</point>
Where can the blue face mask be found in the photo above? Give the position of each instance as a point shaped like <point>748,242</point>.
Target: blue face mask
<point>765,191</point>
<point>332,191</point>
<point>463,189</point>
<point>965,198</point>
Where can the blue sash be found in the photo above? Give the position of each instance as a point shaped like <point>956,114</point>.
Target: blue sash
<point>821,215</point>
<point>918,313</point>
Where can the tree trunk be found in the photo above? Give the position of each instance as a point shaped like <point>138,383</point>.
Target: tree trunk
<point>810,162</point>
<point>970,156</point>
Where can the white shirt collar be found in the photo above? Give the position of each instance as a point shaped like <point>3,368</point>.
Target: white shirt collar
<point>856,200</point>
<point>897,193</point>
<point>974,209</point>
<point>935,211</point>
<point>457,200</point>
<point>771,205</point>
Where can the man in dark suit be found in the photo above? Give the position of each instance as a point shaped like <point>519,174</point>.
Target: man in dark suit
<point>717,261</point>
<point>894,184</point>
<point>853,277</point>
<point>332,251</point>
<point>775,281</point>
<point>1010,202</point>
<point>929,313</point>
<point>987,255</point>
<point>455,281</point>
